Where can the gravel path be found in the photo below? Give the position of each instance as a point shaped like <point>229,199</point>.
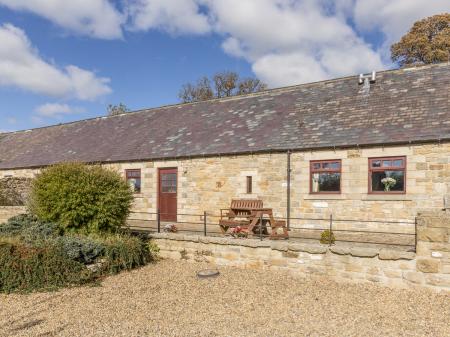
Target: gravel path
<point>166,299</point>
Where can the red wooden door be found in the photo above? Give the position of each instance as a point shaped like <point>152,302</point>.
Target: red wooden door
<point>167,194</point>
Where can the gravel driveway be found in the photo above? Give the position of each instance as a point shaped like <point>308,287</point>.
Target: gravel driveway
<point>166,299</point>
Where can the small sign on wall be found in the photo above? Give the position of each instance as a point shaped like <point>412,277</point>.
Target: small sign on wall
<point>320,204</point>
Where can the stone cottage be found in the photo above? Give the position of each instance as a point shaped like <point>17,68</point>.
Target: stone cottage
<point>371,148</point>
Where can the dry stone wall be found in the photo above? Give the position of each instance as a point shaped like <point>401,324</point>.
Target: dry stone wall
<point>14,191</point>
<point>433,247</point>
<point>428,268</point>
<point>7,212</point>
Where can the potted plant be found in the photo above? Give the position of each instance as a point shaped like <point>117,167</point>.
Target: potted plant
<point>238,232</point>
<point>170,228</point>
<point>388,183</point>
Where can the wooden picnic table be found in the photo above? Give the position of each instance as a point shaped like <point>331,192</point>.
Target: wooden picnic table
<point>264,217</point>
<point>251,217</point>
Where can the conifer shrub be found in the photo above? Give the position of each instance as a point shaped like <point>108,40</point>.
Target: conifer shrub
<point>28,228</point>
<point>81,248</point>
<point>81,198</point>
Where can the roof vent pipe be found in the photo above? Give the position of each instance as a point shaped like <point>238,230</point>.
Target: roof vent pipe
<point>366,79</point>
<point>371,77</point>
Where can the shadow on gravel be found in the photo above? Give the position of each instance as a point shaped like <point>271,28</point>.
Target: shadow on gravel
<point>53,333</point>
<point>28,325</point>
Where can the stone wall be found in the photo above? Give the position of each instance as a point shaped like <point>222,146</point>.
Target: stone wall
<point>208,184</point>
<point>429,268</point>
<point>14,191</point>
<point>433,247</point>
<point>7,212</point>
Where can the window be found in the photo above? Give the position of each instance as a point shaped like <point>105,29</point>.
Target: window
<point>326,176</point>
<point>134,180</point>
<point>169,183</point>
<point>249,185</point>
<point>387,175</point>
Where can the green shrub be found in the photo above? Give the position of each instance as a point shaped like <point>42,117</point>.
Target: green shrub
<point>81,198</point>
<point>118,251</point>
<point>327,237</point>
<point>26,268</point>
<point>81,248</point>
<point>153,249</point>
<point>125,252</point>
<point>36,256</point>
<point>28,228</point>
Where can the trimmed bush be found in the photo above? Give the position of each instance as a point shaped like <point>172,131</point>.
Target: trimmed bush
<point>25,268</point>
<point>81,198</point>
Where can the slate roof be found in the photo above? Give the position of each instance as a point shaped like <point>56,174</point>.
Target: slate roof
<point>403,106</point>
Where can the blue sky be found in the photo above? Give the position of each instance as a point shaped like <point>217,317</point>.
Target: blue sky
<point>62,61</point>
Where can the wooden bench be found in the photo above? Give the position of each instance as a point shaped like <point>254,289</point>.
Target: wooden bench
<point>238,214</point>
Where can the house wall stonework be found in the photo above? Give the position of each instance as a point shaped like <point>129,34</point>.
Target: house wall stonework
<point>208,184</point>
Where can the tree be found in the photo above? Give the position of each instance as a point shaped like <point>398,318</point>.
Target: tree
<point>119,109</point>
<point>199,92</point>
<point>223,84</point>
<point>249,85</point>
<point>427,42</point>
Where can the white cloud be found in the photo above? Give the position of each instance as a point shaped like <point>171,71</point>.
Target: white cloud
<point>86,85</point>
<point>173,16</point>
<point>288,69</point>
<point>285,41</point>
<point>395,17</point>
<point>291,42</point>
<point>98,18</point>
<point>22,67</point>
<point>57,110</point>
<point>297,41</point>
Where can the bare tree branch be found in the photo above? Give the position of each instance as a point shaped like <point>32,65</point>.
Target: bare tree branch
<point>119,109</point>
<point>226,84</point>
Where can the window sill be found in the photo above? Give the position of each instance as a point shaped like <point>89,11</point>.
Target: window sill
<point>324,197</point>
<point>138,195</point>
<point>386,197</point>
